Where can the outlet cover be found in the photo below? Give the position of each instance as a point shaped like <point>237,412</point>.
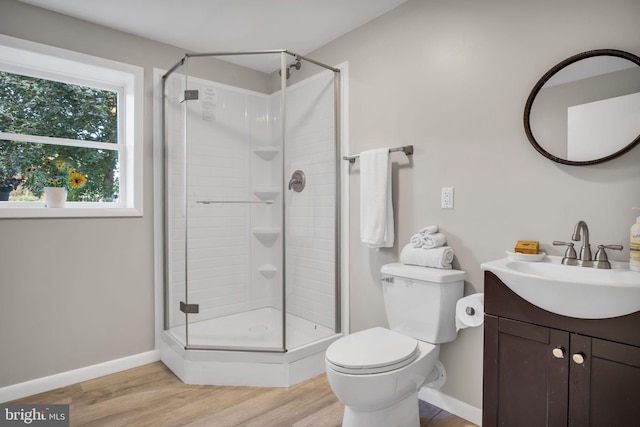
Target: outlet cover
<point>446,202</point>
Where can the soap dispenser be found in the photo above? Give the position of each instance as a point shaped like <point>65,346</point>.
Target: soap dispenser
<point>634,246</point>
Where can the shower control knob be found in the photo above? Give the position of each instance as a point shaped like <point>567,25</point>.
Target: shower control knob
<point>297,181</point>
<point>558,352</point>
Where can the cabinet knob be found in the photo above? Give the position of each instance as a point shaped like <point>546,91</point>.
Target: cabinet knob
<point>578,358</point>
<point>558,352</point>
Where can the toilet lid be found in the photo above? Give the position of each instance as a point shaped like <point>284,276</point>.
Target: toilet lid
<point>372,351</point>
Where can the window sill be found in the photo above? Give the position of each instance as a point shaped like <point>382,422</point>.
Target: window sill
<point>69,211</point>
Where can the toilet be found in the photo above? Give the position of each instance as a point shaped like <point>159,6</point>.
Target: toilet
<point>377,373</point>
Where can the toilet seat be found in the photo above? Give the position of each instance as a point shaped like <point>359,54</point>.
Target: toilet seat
<point>372,351</point>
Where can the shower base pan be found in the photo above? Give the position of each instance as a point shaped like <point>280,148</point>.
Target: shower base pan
<point>253,329</point>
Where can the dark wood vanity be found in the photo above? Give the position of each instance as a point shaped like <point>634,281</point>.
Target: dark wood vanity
<point>546,370</point>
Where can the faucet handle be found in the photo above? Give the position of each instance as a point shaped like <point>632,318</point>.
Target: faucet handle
<point>601,255</point>
<point>570,253</point>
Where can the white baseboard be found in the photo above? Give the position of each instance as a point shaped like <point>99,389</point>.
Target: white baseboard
<point>39,385</point>
<point>451,405</point>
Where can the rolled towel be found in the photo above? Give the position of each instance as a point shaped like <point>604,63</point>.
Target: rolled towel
<point>429,230</point>
<point>435,240</point>
<point>428,241</point>
<point>416,240</point>
<point>441,257</point>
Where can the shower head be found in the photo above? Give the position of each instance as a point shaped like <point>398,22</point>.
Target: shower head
<point>297,65</point>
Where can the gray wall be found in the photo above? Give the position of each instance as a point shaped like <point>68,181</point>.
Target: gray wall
<point>76,292</point>
<point>452,78</point>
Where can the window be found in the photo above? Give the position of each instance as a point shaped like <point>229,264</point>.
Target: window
<point>63,108</point>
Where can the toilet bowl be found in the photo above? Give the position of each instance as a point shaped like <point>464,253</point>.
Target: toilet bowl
<point>381,388</point>
<point>377,373</point>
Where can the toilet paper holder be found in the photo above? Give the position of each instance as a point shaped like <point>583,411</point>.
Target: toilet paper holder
<point>469,311</point>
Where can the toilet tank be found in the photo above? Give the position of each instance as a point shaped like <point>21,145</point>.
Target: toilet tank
<point>421,302</point>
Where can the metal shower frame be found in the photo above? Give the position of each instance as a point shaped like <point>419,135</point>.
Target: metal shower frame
<point>337,138</point>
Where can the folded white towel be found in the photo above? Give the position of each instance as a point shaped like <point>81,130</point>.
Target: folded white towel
<point>376,209</point>
<point>428,241</point>
<point>416,240</point>
<point>429,230</point>
<point>435,240</point>
<point>441,257</point>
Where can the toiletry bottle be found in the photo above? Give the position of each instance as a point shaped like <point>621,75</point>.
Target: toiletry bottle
<point>634,246</point>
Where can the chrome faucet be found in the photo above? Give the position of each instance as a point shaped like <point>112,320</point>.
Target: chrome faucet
<point>585,250</point>
<point>585,259</point>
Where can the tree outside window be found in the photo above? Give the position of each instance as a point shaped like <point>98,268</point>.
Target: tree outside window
<point>51,120</point>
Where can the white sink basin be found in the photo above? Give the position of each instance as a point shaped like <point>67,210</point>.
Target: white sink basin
<point>580,292</point>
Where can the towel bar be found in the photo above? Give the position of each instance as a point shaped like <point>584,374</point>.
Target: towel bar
<point>407,149</point>
<point>210,202</point>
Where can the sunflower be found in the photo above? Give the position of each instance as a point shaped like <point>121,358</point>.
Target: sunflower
<point>55,181</point>
<point>76,180</point>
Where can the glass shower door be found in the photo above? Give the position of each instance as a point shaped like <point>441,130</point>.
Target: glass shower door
<point>233,285</point>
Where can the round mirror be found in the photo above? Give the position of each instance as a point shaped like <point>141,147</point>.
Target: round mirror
<point>586,109</point>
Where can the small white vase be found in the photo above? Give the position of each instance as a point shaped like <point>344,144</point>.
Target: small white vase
<point>55,197</point>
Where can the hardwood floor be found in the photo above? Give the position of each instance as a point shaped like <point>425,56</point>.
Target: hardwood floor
<point>151,395</point>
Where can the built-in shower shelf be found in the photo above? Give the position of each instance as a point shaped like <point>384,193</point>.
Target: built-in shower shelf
<point>266,235</point>
<point>267,193</point>
<point>267,152</point>
<point>268,270</point>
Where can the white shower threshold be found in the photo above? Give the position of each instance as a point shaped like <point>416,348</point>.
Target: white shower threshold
<point>260,328</point>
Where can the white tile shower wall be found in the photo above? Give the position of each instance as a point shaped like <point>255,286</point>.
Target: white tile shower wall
<point>310,236</point>
<point>266,268</point>
<point>219,169</point>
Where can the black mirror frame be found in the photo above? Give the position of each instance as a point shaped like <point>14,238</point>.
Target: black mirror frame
<point>534,92</point>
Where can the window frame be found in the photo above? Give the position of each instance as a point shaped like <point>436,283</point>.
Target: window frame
<point>46,62</point>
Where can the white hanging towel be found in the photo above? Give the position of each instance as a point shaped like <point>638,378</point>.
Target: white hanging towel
<point>376,209</point>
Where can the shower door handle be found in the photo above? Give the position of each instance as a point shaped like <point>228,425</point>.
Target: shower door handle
<point>297,181</point>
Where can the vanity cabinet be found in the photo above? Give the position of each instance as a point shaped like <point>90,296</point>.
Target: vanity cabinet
<point>546,370</point>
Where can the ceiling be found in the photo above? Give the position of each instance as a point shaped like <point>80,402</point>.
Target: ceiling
<point>300,26</point>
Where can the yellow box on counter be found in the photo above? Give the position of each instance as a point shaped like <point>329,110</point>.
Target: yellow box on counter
<point>527,247</point>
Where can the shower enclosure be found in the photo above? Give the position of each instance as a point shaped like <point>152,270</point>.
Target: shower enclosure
<point>251,153</point>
